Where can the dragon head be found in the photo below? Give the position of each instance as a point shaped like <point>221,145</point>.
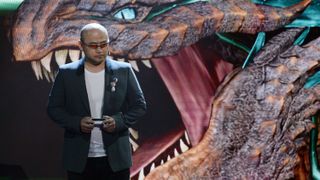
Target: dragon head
<point>178,35</point>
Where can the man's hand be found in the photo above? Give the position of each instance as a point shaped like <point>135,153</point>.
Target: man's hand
<point>109,124</point>
<point>86,124</point>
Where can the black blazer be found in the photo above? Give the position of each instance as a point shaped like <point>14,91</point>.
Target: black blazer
<point>68,104</point>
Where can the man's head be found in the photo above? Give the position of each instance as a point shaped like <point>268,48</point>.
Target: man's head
<point>94,41</point>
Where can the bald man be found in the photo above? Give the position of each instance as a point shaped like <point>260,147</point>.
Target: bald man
<point>96,100</point>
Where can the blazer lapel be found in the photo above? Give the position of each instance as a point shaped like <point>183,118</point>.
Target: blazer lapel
<point>82,87</point>
<point>107,92</point>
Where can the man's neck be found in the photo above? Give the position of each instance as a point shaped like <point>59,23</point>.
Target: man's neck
<point>93,67</point>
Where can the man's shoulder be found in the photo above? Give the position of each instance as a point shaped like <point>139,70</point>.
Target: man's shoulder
<point>70,66</point>
<point>119,64</point>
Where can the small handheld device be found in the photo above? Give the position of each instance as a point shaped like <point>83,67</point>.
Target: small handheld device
<point>98,121</point>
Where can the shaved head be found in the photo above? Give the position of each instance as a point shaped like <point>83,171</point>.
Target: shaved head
<point>92,26</point>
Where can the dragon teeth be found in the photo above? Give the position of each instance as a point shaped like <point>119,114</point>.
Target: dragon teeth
<point>141,174</point>
<point>134,133</point>
<point>46,61</point>
<point>187,137</point>
<point>183,146</point>
<point>147,63</point>
<point>176,152</point>
<point>74,55</point>
<point>153,166</point>
<point>134,145</point>
<point>61,56</point>
<point>168,158</point>
<point>42,69</point>
<point>133,139</point>
<point>134,65</point>
<point>48,75</point>
<point>36,67</point>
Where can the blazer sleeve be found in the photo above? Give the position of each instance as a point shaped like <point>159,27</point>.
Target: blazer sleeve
<point>135,101</point>
<point>56,108</point>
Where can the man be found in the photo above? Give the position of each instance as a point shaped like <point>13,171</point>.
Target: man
<point>96,100</point>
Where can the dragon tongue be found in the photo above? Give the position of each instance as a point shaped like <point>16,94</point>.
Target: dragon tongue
<point>192,77</point>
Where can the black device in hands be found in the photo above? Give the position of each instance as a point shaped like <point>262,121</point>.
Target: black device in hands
<point>98,122</point>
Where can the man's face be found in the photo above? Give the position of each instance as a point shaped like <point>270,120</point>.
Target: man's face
<point>95,46</point>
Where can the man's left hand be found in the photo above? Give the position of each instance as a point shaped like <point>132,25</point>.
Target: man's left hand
<point>109,124</point>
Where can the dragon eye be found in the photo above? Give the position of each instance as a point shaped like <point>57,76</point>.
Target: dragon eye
<point>128,13</point>
<point>131,13</point>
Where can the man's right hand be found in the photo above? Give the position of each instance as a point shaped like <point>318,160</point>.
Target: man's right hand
<point>86,124</point>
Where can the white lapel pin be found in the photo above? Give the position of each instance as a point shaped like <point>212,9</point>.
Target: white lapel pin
<point>113,84</point>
